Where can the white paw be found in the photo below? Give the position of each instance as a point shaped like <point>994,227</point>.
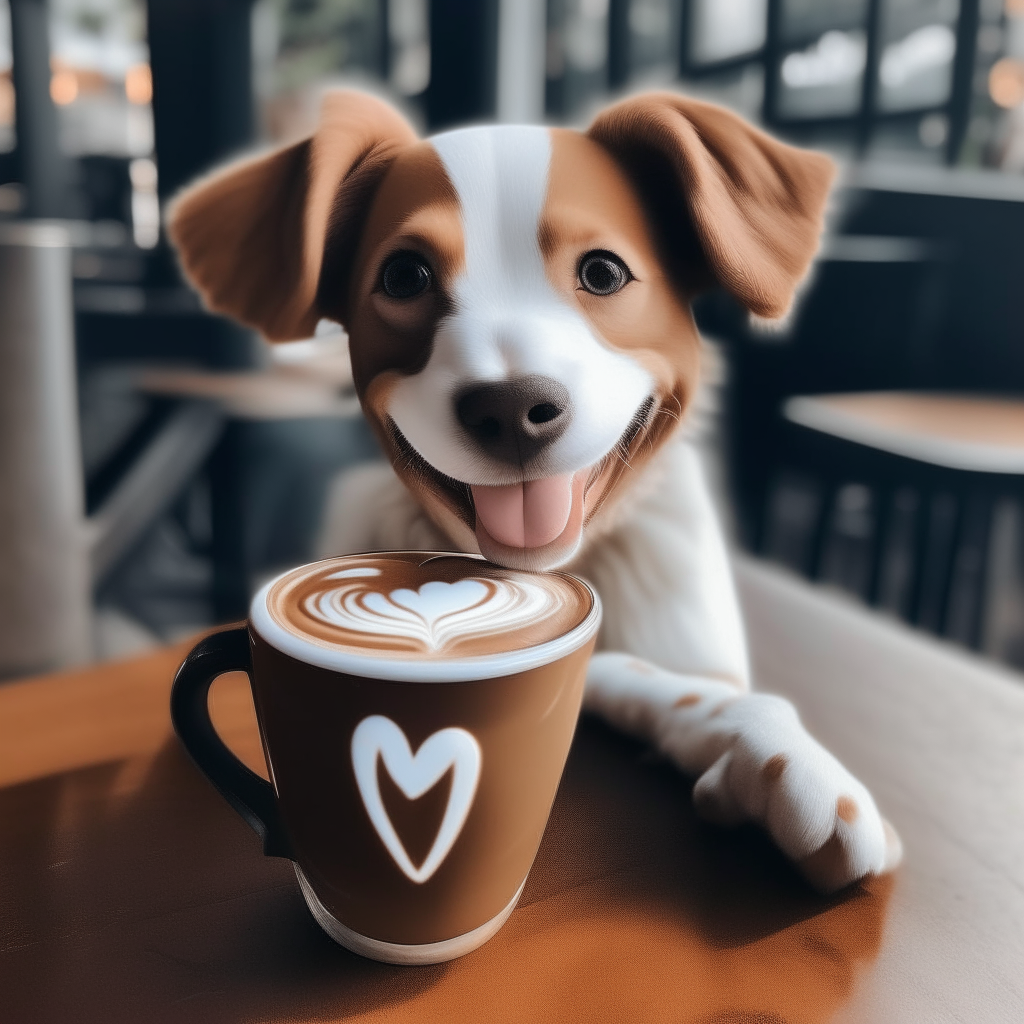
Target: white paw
<point>764,766</point>
<point>775,773</point>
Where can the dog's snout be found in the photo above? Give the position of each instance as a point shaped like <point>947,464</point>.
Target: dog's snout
<point>515,420</point>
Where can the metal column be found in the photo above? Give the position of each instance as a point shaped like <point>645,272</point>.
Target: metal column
<point>44,171</point>
<point>45,589</point>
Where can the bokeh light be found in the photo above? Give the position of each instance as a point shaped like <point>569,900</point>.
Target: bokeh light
<point>1006,83</point>
<point>64,88</point>
<point>138,84</point>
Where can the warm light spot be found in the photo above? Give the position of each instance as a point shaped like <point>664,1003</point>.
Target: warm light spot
<point>1006,83</point>
<point>64,88</point>
<point>143,174</point>
<point>1015,8</point>
<point>138,84</point>
<point>6,101</point>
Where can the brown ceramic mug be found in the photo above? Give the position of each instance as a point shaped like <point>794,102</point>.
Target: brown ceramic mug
<point>416,711</point>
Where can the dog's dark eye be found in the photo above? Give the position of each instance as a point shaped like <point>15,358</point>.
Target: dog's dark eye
<point>603,273</point>
<point>405,276</point>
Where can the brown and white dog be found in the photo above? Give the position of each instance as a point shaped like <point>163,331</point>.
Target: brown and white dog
<point>517,301</point>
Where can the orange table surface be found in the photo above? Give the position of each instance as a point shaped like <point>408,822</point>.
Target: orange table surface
<point>129,891</point>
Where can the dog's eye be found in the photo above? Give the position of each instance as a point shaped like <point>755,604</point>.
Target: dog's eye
<point>405,276</point>
<point>603,273</point>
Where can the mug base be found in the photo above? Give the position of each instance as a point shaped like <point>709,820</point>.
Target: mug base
<point>397,952</point>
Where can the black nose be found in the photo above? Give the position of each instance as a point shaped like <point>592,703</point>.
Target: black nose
<point>515,420</point>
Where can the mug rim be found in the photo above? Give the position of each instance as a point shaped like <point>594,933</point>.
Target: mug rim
<point>401,670</point>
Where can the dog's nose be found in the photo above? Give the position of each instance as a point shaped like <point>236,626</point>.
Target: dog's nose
<point>515,420</point>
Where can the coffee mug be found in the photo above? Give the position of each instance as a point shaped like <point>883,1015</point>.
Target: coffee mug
<point>416,711</point>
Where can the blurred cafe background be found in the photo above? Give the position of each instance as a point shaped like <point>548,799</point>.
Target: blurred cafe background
<point>157,463</point>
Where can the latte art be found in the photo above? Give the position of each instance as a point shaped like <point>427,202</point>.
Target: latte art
<point>426,606</point>
<point>436,614</point>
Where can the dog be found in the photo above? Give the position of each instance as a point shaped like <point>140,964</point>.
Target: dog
<point>517,300</point>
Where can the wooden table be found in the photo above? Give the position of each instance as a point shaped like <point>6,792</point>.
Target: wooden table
<point>130,892</point>
<point>974,433</point>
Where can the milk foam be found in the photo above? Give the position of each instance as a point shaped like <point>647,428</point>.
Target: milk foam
<point>436,614</point>
<point>427,606</point>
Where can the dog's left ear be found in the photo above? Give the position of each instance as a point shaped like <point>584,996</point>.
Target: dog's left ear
<point>730,202</point>
<point>252,237</point>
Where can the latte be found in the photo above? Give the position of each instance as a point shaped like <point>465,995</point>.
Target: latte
<point>411,803</point>
<point>425,606</point>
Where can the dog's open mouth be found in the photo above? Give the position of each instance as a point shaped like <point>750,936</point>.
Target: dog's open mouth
<point>532,525</point>
<point>541,520</point>
<point>525,515</point>
<point>535,524</point>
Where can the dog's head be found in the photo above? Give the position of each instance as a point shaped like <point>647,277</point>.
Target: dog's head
<point>516,298</point>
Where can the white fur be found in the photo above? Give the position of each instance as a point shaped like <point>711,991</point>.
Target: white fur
<point>672,629</point>
<point>509,321</point>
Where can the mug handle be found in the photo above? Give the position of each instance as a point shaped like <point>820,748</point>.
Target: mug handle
<point>252,797</point>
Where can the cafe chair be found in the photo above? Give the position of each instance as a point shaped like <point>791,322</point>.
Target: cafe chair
<point>905,499</point>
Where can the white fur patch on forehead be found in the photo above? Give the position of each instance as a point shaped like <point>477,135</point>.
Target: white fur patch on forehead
<point>500,173</point>
<point>507,321</point>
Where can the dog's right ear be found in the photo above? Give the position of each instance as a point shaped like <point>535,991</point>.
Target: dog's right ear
<point>732,204</point>
<point>251,236</point>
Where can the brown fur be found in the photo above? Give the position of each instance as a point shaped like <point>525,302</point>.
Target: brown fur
<point>591,204</point>
<point>687,701</point>
<point>846,809</point>
<point>251,237</point>
<point>685,192</point>
<point>730,203</point>
<point>774,767</point>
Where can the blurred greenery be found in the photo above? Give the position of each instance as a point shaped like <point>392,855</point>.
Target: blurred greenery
<point>321,37</point>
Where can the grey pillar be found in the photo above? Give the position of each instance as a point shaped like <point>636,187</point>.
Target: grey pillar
<point>43,169</point>
<point>522,27</point>
<point>45,588</point>
<point>463,62</point>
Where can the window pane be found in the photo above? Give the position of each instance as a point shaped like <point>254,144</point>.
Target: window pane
<point>409,42</point>
<point>654,39</point>
<point>302,47</point>
<point>100,78</point>
<point>825,50</point>
<point>6,88</point>
<point>918,43</point>
<point>805,20</point>
<point>722,29</point>
<point>577,55</point>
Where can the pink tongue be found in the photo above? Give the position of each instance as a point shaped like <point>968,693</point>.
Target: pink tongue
<point>526,515</point>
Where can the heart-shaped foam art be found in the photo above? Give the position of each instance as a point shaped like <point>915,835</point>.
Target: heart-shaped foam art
<point>437,614</point>
<point>423,606</point>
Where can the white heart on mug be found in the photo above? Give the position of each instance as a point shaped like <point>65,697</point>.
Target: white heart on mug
<point>377,736</point>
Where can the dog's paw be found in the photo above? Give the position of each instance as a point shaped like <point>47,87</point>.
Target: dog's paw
<point>774,773</point>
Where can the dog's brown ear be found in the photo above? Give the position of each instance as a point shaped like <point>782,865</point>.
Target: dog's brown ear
<point>729,201</point>
<point>251,236</point>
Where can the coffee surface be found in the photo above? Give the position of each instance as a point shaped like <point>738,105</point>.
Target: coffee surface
<point>425,606</point>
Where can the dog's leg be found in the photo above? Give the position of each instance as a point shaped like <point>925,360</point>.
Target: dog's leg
<point>683,685</point>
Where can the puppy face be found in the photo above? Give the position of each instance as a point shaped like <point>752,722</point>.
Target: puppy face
<point>517,298</point>
<point>515,339</point>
